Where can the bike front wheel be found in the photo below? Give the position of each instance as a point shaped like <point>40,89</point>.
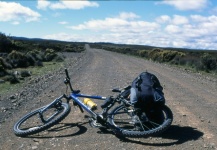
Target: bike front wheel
<point>36,121</point>
<point>121,122</point>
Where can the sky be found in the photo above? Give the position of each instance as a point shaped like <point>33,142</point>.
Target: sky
<point>162,23</point>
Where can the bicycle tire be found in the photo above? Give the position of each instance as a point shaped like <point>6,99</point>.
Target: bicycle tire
<point>20,131</point>
<point>122,126</point>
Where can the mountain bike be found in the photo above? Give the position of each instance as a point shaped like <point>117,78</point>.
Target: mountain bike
<point>119,119</point>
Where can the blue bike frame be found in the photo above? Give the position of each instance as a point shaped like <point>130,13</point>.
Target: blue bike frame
<point>75,96</point>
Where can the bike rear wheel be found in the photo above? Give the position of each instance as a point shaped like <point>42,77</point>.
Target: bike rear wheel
<point>121,121</point>
<point>35,121</point>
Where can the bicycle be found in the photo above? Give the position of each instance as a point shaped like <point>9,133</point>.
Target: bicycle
<point>119,120</point>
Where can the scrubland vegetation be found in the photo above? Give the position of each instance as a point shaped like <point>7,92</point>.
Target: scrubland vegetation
<point>199,60</point>
<point>19,55</point>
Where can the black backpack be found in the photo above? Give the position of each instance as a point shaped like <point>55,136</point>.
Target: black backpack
<point>147,83</point>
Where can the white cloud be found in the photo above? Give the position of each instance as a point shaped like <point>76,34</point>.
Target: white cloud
<point>126,15</point>
<point>163,19</point>
<point>123,23</point>
<point>173,29</point>
<point>186,4</point>
<point>62,36</point>
<point>43,4</point>
<point>61,4</point>
<point>200,32</point>
<point>63,22</point>
<point>179,20</point>
<point>16,23</point>
<point>11,11</point>
<point>176,19</point>
<point>193,31</point>
<point>198,18</point>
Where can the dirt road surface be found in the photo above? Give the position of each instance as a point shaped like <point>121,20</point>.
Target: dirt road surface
<point>191,96</point>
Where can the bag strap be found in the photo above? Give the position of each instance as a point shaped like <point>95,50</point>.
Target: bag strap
<point>139,81</point>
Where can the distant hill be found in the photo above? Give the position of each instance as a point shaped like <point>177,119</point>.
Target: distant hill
<point>148,47</point>
<point>132,46</point>
<point>40,40</point>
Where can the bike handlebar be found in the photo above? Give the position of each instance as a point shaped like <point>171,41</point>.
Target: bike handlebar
<point>68,80</point>
<point>67,74</point>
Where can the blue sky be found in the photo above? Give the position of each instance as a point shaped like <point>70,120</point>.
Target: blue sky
<point>163,23</point>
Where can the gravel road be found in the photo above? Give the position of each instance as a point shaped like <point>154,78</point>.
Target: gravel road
<point>191,96</point>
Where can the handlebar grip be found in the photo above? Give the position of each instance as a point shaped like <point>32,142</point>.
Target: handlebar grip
<point>67,74</point>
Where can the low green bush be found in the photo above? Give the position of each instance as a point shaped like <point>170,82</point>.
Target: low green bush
<point>142,53</point>
<point>5,64</point>
<point>49,54</point>
<point>58,58</point>
<point>11,78</point>
<point>25,73</point>
<point>14,80</point>
<point>208,62</point>
<point>18,59</point>
<point>2,71</point>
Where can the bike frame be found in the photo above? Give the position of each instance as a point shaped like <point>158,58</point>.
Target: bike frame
<point>75,98</point>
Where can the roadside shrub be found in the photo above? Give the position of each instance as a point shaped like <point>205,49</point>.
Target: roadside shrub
<point>155,54</point>
<point>199,66</point>
<point>25,73</point>
<point>5,43</point>
<point>73,48</point>
<point>161,55</point>
<point>58,58</point>
<point>5,64</point>
<point>14,79</point>
<point>11,77</point>
<point>143,53</point>
<point>81,48</point>
<point>50,54</point>
<point>175,61</point>
<point>39,63</point>
<point>31,60</point>
<point>208,62</point>
<point>18,59</point>
<point>2,71</point>
<point>69,49</point>
<point>168,55</point>
<point>36,54</point>
<point>6,77</point>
